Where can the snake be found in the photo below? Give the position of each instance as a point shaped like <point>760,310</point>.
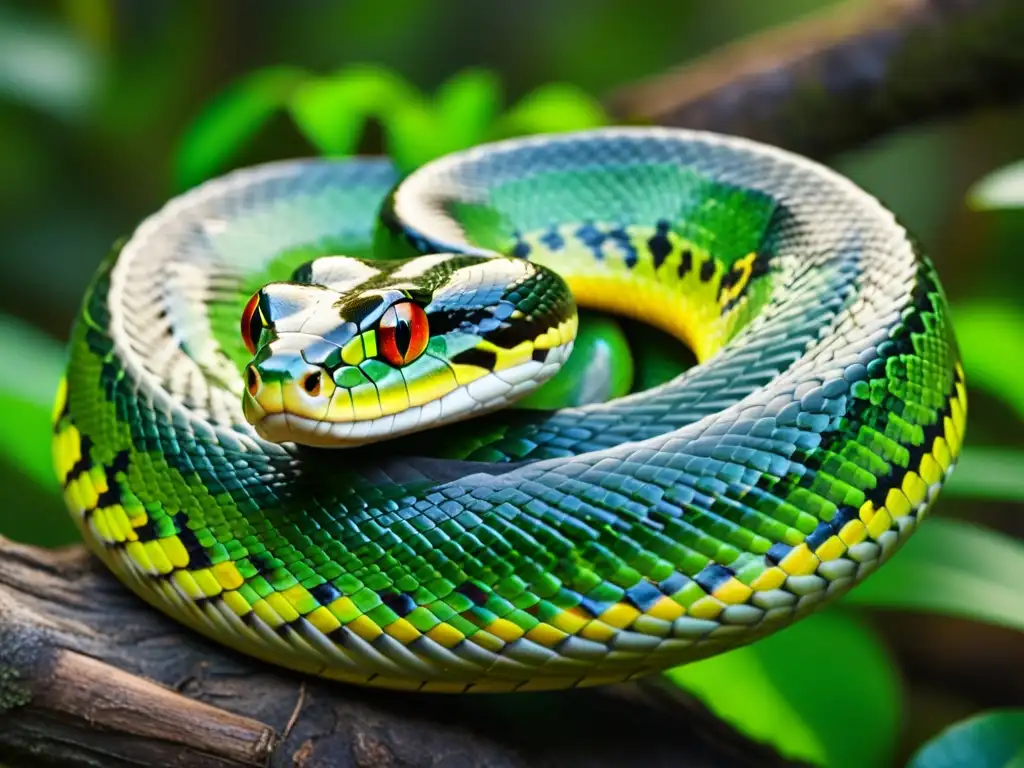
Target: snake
<point>289,416</point>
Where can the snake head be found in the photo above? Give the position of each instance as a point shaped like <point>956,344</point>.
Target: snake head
<point>354,351</point>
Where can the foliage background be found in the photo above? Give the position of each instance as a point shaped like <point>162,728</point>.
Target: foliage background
<point>95,96</point>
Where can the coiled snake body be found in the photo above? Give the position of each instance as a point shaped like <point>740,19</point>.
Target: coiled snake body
<point>523,549</point>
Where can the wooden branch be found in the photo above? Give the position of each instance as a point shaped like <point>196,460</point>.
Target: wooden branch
<point>832,81</point>
<point>92,676</point>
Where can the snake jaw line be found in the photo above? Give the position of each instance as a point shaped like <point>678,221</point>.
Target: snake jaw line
<point>492,392</point>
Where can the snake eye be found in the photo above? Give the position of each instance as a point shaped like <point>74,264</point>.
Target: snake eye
<point>403,333</point>
<point>312,383</point>
<point>252,323</point>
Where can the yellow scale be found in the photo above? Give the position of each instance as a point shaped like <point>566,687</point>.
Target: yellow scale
<point>688,308</point>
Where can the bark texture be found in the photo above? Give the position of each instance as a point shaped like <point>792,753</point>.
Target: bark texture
<point>836,80</point>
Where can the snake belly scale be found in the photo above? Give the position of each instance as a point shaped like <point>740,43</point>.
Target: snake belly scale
<point>519,549</point>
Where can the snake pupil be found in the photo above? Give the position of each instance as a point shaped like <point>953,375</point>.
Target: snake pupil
<point>312,383</point>
<point>403,333</point>
<point>403,336</point>
<point>255,328</point>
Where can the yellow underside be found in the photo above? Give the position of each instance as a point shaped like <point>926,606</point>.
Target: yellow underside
<point>687,307</point>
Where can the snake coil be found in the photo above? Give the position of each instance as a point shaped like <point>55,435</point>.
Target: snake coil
<point>524,549</point>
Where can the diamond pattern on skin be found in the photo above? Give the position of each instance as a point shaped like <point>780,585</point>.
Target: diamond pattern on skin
<point>577,548</point>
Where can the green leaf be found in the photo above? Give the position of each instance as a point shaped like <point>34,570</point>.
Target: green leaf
<point>32,512</point>
<point>800,689</point>
<point>988,473</point>
<point>413,135</point>
<point>42,65</point>
<point>92,21</point>
<point>953,568</point>
<point>466,106</point>
<point>1003,188</point>
<point>229,121</point>
<point>552,108</point>
<point>986,330</point>
<point>737,688</point>
<point>989,740</point>
<point>331,111</point>
<point>463,109</point>
<point>32,367</point>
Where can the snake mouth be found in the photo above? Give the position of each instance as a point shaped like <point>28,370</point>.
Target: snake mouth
<point>490,392</point>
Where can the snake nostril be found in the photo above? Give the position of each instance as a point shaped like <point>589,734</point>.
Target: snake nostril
<point>252,381</point>
<point>312,383</point>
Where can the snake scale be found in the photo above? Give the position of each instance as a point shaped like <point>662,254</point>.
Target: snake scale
<point>336,486</point>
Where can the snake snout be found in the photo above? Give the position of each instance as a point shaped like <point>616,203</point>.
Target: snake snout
<point>280,384</point>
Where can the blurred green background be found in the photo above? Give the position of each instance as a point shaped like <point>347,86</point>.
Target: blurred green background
<point>96,95</point>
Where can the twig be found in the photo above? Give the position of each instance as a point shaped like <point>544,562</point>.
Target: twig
<point>295,712</point>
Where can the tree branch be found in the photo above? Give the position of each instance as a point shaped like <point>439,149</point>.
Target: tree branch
<point>92,676</point>
<point>835,80</point>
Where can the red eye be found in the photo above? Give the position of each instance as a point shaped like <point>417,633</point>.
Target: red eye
<point>403,333</point>
<point>252,323</point>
